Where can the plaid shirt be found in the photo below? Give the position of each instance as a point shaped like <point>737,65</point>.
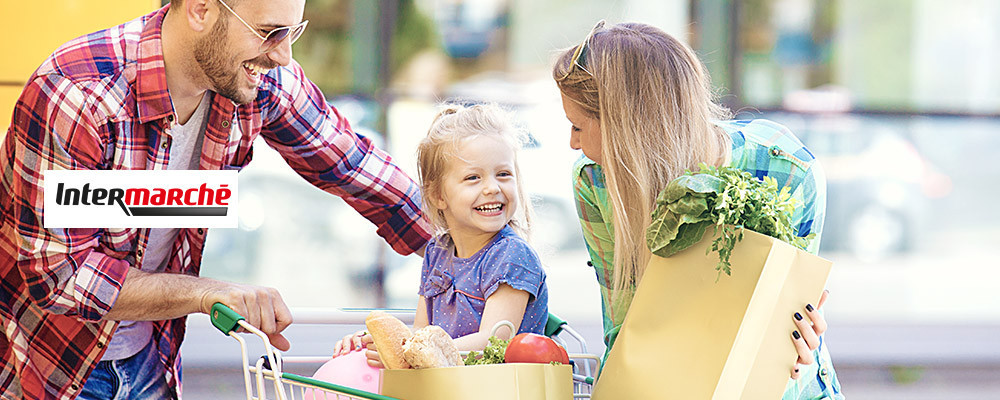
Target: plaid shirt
<point>760,147</point>
<point>101,102</point>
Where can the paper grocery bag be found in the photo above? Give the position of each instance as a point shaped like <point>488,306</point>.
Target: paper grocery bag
<point>482,382</point>
<point>687,336</point>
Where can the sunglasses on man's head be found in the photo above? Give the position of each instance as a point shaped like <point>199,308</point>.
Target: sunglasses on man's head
<point>579,56</point>
<point>273,38</point>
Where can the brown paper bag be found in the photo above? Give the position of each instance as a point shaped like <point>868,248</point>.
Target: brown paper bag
<point>687,336</point>
<point>482,382</point>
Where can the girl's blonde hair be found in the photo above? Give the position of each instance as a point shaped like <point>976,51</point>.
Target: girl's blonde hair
<point>656,109</point>
<point>452,126</point>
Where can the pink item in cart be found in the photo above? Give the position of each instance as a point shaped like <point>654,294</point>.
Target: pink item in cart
<point>351,370</point>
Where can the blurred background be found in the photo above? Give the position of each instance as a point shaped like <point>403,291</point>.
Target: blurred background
<point>899,99</point>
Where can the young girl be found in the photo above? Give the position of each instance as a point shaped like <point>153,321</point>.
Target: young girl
<point>478,270</point>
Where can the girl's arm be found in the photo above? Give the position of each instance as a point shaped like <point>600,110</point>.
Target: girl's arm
<point>420,320</point>
<point>506,303</point>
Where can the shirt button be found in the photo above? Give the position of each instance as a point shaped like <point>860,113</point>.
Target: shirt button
<point>170,118</point>
<point>201,231</point>
<point>823,371</point>
<point>225,124</point>
<point>164,145</point>
<point>100,345</point>
<point>775,152</point>
<point>74,387</point>
<point>139,252</point>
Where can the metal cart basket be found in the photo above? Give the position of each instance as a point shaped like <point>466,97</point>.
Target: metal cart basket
<point>265,375</point>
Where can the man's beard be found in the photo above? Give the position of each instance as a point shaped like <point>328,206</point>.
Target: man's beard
<point>211,55</point>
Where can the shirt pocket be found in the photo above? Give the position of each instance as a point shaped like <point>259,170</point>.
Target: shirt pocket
<point>241,154</point>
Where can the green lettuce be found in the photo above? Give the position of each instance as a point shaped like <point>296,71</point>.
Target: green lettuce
<point>727,198</point>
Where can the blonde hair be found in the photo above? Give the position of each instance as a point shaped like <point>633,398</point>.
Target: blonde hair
<point>452,126</point>
<point>653,99</point>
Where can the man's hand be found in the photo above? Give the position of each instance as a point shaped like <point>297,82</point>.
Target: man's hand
<point>148,296</point>
<point>261,306</point>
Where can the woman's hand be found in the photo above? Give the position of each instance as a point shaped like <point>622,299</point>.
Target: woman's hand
<point>811,325</point>
<point>349,343</point>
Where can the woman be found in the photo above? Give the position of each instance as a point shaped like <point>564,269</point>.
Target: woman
<point>643,112</point>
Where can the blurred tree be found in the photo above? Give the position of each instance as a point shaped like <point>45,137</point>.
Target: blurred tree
<point>341,29</point>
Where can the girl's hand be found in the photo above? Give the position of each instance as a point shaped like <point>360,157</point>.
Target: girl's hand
<point>371,352</point>
<point>811,325</point>
<point>350,343</point>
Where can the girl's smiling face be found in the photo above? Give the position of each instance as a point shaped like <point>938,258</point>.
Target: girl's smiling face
<point>478,192</point>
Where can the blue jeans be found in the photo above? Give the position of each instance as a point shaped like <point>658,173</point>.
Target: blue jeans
<point>141,376</point>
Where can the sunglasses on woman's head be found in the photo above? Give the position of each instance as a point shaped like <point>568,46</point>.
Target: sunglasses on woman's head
<point>275,36</point>
<point>579,55</point>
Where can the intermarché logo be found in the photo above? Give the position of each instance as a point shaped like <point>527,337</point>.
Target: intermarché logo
<point>140,199</point>
<point>165,202</point>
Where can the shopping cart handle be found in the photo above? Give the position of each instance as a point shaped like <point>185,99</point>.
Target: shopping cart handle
<point>224,318</point>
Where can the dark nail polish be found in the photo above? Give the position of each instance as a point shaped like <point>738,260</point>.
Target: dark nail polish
<point>796,335</point>
<point>798,317</point>
<point>809,307</point>
<point>796,370</point>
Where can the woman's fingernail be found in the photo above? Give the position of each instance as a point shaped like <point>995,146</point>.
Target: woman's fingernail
<point>798,317</point>
<point>809,307</point>
<point>796,370</point>
<point>796,335</point>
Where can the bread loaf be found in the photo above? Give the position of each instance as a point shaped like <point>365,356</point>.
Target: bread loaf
<point>389,334</point>
<point>431,347</point>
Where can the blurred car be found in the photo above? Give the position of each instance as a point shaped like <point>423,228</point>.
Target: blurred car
<point>879,186</point>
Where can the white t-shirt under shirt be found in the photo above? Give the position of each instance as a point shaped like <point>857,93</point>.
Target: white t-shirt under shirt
<point>185,153</point>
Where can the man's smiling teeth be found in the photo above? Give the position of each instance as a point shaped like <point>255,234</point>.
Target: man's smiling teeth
<point>254,69</point>
<point>490,207</point>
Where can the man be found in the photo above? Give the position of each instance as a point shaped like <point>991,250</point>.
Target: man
<point>189,86</point>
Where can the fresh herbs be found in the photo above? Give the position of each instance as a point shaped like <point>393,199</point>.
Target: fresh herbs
<point>728,198</point>
<point>492,354</point>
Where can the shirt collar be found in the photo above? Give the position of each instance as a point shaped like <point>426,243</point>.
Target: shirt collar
<point>152,98</point>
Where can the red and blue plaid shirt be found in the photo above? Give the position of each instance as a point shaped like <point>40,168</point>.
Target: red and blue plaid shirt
<point>101,102</point>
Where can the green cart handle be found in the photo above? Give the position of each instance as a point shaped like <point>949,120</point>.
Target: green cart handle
<point>224,318</point>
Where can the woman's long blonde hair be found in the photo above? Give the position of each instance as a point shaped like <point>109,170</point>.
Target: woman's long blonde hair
<point>454,125</point>
<point>656,109</point>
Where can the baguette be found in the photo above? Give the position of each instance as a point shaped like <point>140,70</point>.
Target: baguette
<point>389,334</point>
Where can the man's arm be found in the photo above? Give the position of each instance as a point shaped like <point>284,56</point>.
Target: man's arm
<point>318,143</point>
<point>54,128</point>
<point>157,296</point>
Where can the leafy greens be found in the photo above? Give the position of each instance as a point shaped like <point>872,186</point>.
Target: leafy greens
<point>492,354</point>
<point>728,198</point>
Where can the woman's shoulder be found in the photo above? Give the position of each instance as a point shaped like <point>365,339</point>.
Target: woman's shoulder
<point>587,172</point>
<point>753,139</point>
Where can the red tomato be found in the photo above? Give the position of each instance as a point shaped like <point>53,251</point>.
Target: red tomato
<point>533,348</point>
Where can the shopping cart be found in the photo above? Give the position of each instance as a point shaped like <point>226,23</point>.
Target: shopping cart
<point>265,374</point>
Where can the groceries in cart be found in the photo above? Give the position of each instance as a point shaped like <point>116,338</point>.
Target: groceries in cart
<point>398,348</point>
<point>265,377</point>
